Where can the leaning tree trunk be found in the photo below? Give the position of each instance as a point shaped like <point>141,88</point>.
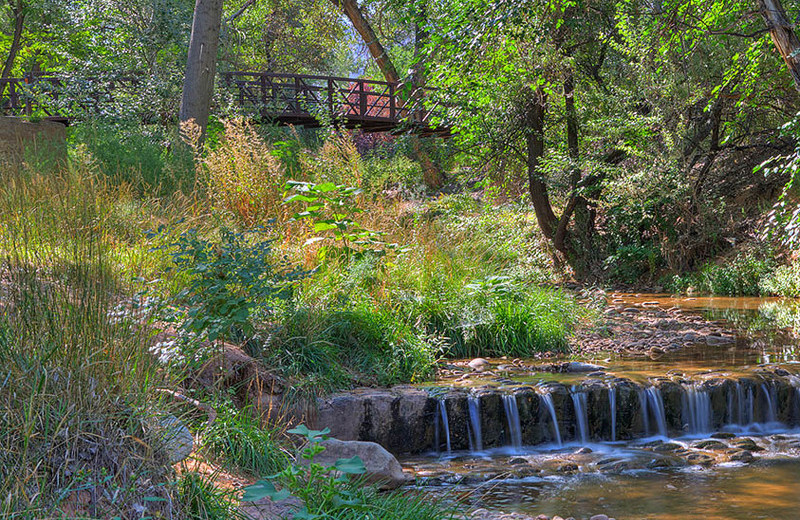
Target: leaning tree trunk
<point>201,64</point>
<point>783,35</point>
<point>432,175</point>
<point>362,26</point>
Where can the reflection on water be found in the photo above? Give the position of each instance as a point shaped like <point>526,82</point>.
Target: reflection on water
<point>769,491</point>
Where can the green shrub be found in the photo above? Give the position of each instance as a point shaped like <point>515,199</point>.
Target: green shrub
<point>230,280</point>
<point>784,281</point>
<point>630,263</point>
<point>744,275</point>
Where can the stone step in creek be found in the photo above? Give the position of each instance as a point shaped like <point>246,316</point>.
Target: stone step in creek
<point>407,419</point>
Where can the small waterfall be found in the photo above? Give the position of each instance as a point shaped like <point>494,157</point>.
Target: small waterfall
<point>729,409</point>
<point>697,409</point>
<point>612,401</point>
<point>771,413</point>
<point>645,416</point>
<point>740,418</point>
<point>438,418</point>
<point>749,415</point>
<point>656,402</point>
<point>512,415</point>
<point>581,414</point>
<point>474,406</point>
<point>548,402</point>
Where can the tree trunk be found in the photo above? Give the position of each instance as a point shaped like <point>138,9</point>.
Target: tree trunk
<point>18,12</point>
<point>431,175</point>
<point>538,189</point>
<point>201,64</point>
<point>783,36</point>
<point>362,26</point>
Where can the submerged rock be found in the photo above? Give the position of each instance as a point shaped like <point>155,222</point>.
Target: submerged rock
<point>577,366</point>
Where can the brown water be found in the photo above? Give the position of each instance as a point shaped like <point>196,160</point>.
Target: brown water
<point>770,491</point>
<point>620,479</point>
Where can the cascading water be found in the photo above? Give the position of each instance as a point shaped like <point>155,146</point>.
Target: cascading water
<point>697,409</point>
<point>438,418</point>
<point>581,417</point>
<point>656,402</point>
<point>744,406</point>
<point>740,404</point>
<point>547,399</point>
<point>612,402</point>
<point>474,407</point>
<point>645,416</point>
<point>771,411</point>
<point>512,417</point>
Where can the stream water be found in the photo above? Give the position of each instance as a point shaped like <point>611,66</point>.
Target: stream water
<point>708,431</point>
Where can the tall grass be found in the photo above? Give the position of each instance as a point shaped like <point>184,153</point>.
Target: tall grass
<point>75,385</point>
<point>238,441</point>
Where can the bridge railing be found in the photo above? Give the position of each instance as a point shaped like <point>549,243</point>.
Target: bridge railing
<point>301,98</point>
<point>23,96</point>
<point>61,98</point>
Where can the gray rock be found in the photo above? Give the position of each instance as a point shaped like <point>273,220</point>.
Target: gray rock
<point>173,436</point>
<point>577,366</point>
<point>382,466</point>
<point>479,364</point>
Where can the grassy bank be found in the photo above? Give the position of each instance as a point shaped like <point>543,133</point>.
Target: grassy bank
<point>101,261</point>
<point>748,273</point>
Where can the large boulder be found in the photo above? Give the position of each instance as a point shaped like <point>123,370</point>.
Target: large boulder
<point>382,468</point>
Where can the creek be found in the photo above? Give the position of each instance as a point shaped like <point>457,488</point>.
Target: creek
<point>710,430</point>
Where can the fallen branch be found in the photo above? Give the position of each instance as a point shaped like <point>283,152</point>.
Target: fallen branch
<point>208,409</point>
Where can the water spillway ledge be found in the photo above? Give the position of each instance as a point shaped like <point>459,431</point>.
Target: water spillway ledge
<point>406,419</point>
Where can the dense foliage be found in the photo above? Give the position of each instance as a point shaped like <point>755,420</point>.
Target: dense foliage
<point>635,143</point>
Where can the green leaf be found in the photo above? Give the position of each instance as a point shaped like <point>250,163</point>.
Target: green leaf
<point>352,466</point>
<point>323,226</point>
<point>299,198</point>
<point>264,489</point>
<point>312,435</point>
<point>324,187</point>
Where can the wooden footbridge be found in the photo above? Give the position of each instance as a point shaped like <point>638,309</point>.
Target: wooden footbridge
<point>283,99</point>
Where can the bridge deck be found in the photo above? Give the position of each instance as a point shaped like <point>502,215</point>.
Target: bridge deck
<point>297,99</point>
